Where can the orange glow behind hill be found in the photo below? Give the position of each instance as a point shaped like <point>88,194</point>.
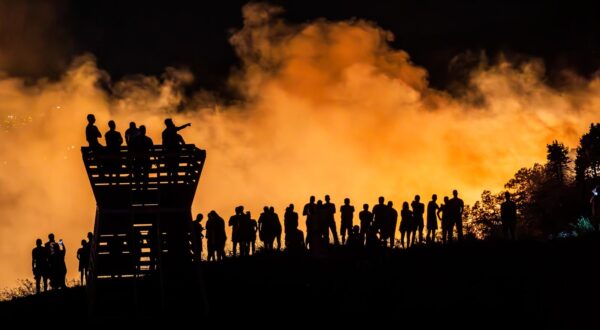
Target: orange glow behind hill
<point>328,108</point>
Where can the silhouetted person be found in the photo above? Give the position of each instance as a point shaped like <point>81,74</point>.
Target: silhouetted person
<point>52,249</point>
<point>391,223</point>
<point>290,225</point>
<point>355,240</point>
<point>366,220</point>
<point>90,241</point>
<point>406,226</point>
<point>456,210</point>
<point>172,142</point>
<point>347,212</point>
<point>295,243</point>
<point>276,226</point>
<point>446,218</point>
<point>114,140</point>
<point>83,255</point>
<point>379,216</point>
<point>215,236</point>
<point>309,211</point>
<point>329,213</point>
<point>131,133</point>
<point>508,214</point>
<point>60,266</point>
<point>372,241</point>
<point>418,209</point>
<point>235,222</point>
<point>247,233</point>
<point>595,204</point>
<point>432,216</point>
<point>320,239</point>
<point>198,233</point>
<point>265,229</point>
<point>140,147</point>
<point>92,133</point>
<point>253,230</point>
<point>39,265</point>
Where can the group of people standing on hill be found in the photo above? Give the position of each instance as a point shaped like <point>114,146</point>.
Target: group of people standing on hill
<point>376,227</point>
<point>48,262</point>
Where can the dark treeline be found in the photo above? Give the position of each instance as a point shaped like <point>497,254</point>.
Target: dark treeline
<point>558,198</point>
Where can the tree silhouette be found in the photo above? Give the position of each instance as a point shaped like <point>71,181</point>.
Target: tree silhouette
<point>557,166</point>
<point>587,163</point>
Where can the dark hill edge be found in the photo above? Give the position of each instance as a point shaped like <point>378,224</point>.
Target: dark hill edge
<point>487,284</point>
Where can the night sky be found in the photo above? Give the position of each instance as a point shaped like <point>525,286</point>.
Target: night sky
<point>132,37</point>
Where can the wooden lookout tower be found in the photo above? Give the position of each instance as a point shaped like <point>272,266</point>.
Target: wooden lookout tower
<point>145,255</point>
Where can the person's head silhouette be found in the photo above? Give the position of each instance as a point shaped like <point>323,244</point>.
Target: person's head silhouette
<point>291,207</point>
<point>83,242</point>
<point>346,201</point>
<point>90,235</point>
<point>417,198</point>
<point>327,199</point>
<point>38,242</point>
<point>272,209</point>
<point>199,217</point>
<point>132,124</point>
<point>266,209</point>
<point>455,193</point>
<point>390,204</point>
<point>366,207</point>
<point>507,196</point>
<point>405,206</point>
<point>320,202</point>
<point>169,122</point>
<point>91,118</point>
<point>112,125</point>
<point>434,197</point>
<point>143,130</point>
<point>381,199</point>
<point>51,237</point>
<point>312,199</point>
<point>446,199</point>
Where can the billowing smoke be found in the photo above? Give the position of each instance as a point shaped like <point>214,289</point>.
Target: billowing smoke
<point>325,108</point>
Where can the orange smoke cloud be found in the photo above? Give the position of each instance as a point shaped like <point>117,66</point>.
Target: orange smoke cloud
<point>326,108</point>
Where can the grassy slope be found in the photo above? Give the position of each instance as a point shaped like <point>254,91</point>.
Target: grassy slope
<point>481,283</point>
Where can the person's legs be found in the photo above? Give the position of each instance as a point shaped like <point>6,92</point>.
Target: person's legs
<point>37,283</point>
<point>459,229</point>
<point>333,228</point>
<point>513,228</point>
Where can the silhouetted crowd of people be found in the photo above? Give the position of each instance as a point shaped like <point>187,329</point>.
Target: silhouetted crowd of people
<point>48,262</point>
<point>375,228</point>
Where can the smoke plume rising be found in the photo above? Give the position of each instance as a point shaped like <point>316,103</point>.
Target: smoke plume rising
<point>325,108</point>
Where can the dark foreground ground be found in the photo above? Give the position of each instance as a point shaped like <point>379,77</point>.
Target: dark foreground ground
<point>483,284</point>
